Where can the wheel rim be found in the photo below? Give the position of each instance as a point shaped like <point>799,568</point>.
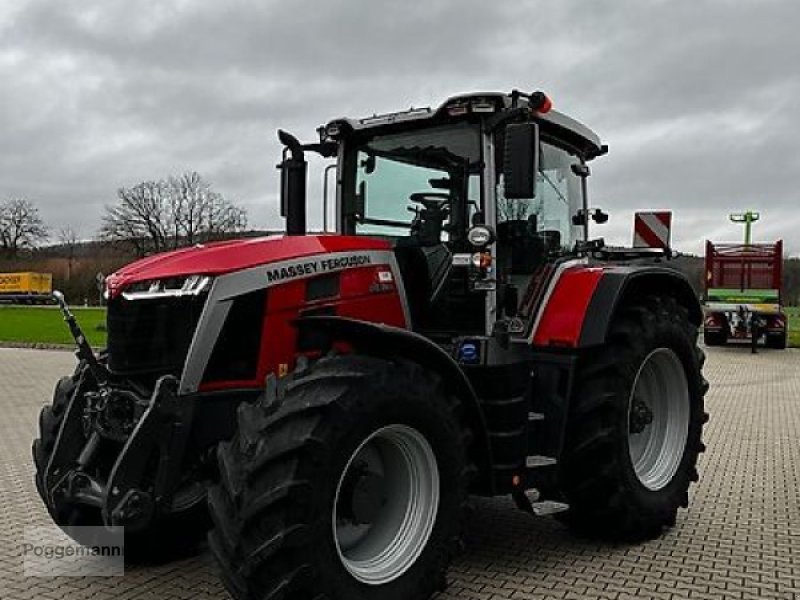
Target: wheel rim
<point>658,418</point>
<point>386,504</point>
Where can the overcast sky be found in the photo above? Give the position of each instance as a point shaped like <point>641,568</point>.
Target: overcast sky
<point>698,100</point>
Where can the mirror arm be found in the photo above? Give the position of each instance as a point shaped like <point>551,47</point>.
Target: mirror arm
<point>582,218</point>
<point>324,149</point>
<point>585,194</point>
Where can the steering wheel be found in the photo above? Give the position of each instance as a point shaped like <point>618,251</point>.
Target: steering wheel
<point>430,200</point>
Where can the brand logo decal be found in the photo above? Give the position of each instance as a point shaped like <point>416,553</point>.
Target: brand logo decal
<point>318,266</point>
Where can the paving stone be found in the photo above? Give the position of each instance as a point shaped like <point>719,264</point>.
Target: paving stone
<point>740,537</point>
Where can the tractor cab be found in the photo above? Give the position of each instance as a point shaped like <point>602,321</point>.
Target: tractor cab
<point>476,196</point>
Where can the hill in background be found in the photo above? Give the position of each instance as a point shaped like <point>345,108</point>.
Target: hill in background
<point>75,268</point>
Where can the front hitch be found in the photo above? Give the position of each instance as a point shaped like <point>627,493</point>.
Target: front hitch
<point>147,470</point>
<point>145,473</point>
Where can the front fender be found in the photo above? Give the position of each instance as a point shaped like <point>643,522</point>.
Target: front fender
<point>376,339</point>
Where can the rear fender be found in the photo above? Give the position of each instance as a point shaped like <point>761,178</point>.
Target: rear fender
<point>583,302</point>
<point>385,341</point>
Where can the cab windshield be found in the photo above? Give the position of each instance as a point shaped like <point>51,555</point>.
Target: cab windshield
<point>388,180</point>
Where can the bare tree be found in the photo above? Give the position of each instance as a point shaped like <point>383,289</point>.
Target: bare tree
<point>21,227</point>
<point>160,215</point>
<point>199,213</point>
<point>141,218</point>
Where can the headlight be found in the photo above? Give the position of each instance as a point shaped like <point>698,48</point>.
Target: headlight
<point>184,285</point>
<point>480,235</point>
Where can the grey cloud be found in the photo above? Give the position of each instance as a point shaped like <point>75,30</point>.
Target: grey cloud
<point>696,100</point>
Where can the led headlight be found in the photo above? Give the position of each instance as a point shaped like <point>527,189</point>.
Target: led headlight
<point>186,285</point>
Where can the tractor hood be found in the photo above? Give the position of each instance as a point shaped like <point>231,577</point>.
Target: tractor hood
<point>218,258</point>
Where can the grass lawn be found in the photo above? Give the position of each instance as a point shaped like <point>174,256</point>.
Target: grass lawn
<point>45,324</point>
<point>794,326</point>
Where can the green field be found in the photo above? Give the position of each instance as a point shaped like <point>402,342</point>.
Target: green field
<point>794,326</point>
<point>45,325</point>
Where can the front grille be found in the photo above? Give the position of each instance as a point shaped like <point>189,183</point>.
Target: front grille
<point>151,335</point>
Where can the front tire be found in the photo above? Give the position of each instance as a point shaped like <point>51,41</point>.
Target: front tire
<point>636,425</point>
<point>346,482</point>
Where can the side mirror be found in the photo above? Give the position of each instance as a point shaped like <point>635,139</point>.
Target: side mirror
<point>520,160</point>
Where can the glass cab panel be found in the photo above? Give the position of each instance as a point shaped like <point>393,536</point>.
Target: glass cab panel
<point>546,217</point>
<point>533,231</point>
<point>419,188</point>
<point>388,180</point>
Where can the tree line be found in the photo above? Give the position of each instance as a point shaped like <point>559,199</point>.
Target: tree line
<point>151,216</point>
<point>176,211</point>
<point>148,217</point>
<point>154,216</point>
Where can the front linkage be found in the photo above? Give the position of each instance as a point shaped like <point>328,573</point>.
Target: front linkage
<point>148,434</point>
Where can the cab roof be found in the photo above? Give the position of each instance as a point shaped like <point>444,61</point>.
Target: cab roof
<point>487,104</point>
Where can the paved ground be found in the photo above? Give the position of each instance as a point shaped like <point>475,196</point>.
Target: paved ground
<point>739,539</point>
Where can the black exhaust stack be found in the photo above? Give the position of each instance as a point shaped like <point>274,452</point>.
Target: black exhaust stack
<point>294,170</point>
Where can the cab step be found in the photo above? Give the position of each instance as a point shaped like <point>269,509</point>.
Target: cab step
<point>536,461</point>
<point>529,502</point>
<point>548,507</point>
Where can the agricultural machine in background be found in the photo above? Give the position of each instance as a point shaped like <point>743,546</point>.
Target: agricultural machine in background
<point>334,398</point>
<point>743,291</point>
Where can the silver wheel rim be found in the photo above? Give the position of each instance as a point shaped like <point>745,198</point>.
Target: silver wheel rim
<point>658,418</point>
<point>404,464</point>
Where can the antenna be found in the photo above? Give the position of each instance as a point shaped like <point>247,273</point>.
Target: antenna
<point>748,218</point>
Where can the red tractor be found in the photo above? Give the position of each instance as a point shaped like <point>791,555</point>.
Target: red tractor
<point>332,400</point>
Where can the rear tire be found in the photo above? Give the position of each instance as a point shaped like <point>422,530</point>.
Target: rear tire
<point>776,342</point>
<point>315,484</point>
<point>715,338</point>
<point>635,427</point>
<point>174,536</point>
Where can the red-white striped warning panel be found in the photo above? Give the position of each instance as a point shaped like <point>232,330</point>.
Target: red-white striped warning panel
<point>652,229</point>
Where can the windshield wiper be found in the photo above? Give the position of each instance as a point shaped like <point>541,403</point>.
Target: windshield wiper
<point>561,196</point>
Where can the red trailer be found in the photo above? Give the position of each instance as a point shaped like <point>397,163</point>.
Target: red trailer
<point>743,293</point>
